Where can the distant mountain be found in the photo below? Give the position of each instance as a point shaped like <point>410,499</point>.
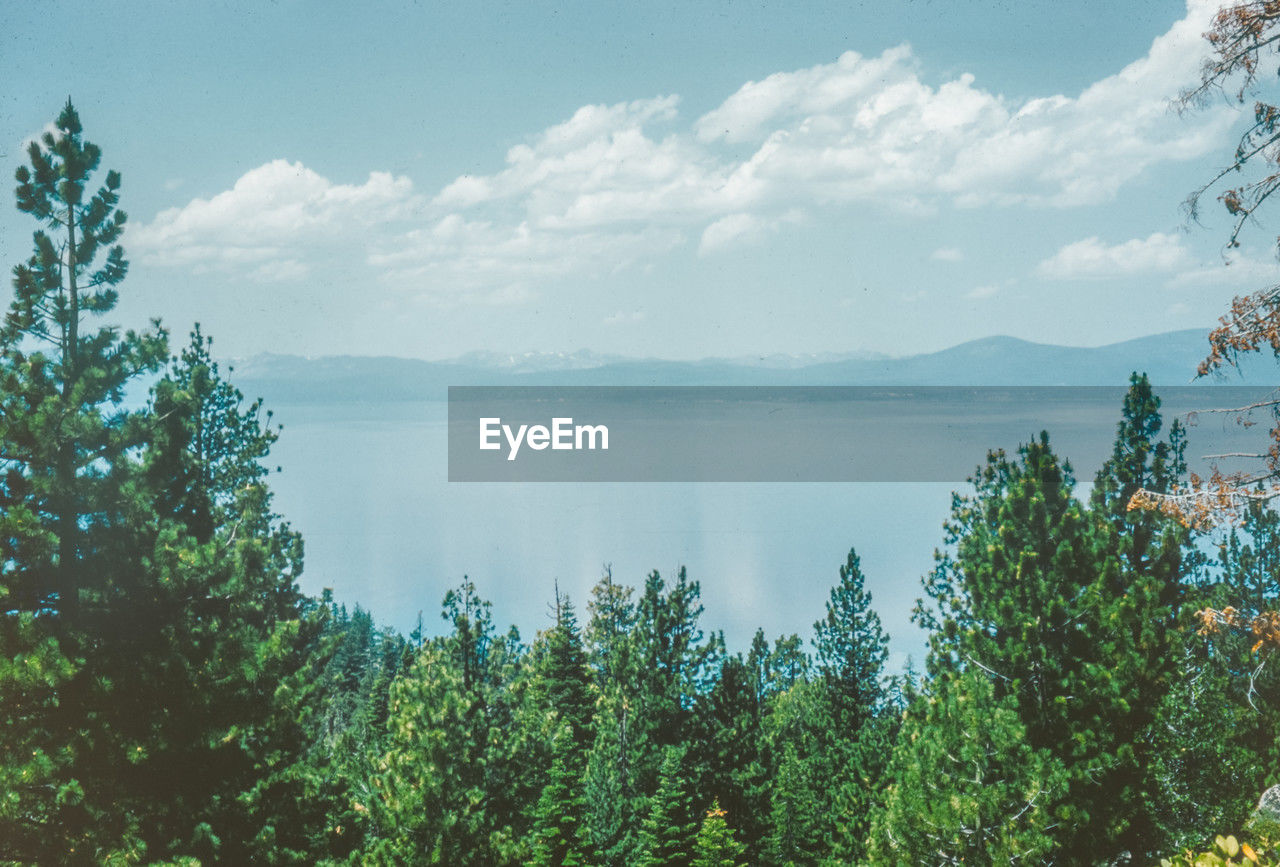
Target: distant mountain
<point>1169,359</point>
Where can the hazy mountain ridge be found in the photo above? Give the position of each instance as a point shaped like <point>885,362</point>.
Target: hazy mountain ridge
<point>1169,359</point>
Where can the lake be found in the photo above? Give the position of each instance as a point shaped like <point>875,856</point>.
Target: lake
<point>367,485</point>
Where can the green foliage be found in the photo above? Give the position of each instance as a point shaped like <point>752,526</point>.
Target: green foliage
<point>561,838</point>
<point>1073,614</point>
<point>167,694</point>
<point>159,674</point>
<point>967,787</point>
<point>444,784</point>
<point>715,845</point>
<point>669,830</point>
<point>831,737</point>
<point>1219,743</point>
<point>652,665</point>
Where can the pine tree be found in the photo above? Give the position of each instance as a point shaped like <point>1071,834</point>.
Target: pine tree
<point>64,484</point>
<point>801,822</point>
<point>446,790</point>
<point>652,664</point>
<point>561,838</point>
<point>715,845</point>
<point>851,649</point>
<point>213,659</point>
<point>669,830</point>
<point>563,683</point>
<point>1218,741</point>
<point>832,735</point>
<point>734,718</point>
<point>966,787</point>
<point>63,384</point>
<point>1071,612</point>
<point>1137,624</point>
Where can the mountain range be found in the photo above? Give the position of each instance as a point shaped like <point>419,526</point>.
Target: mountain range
<point>1169,359</point>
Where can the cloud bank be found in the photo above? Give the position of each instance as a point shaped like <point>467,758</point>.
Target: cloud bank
<point>616,185</point>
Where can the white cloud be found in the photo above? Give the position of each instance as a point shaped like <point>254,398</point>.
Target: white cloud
<point>871,127</point>
<point>476,260</point>
<point>617,185</point>
<point>279,209</point>
<point>600,167</point>
<point>1091,258</point>
<point>947,254</point>
<point>280,271</point>
<point>981,292</point>
<point>736,229</point>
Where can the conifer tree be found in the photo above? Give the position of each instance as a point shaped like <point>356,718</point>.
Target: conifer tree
<point>966,786</point>
<point>737,764</point>
<point>833,735</point>
<point>652,662</point>
<point>669,830</point>
<point>563,683</point>
<point>561,837</point>
<point>1143,564</point>
<point>1218,741</point>
<point>716,845</point>
<point>445,788</point>
<point>1071,613</point>
<point>64,484</point>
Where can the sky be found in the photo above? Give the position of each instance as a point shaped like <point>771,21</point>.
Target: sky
<point>674,180</point>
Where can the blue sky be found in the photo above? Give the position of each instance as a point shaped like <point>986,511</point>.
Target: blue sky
<point>675,180</point>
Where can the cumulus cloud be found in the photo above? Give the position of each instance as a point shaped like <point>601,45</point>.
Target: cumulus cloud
<point>947,254</point>
<point>617,184</point>
<point>1091,258</point>
<point>272,214</point>
<point>602,166</point>
<point>871,127</point>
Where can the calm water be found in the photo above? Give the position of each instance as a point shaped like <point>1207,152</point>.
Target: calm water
<point>367,486</point>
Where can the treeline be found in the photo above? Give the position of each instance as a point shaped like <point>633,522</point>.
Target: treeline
<point>1069,711</point>
<point>168,695</point>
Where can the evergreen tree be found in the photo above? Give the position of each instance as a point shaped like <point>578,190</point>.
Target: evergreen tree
<point>563,683</point>
<point>967,787</point>
<point>1072,612</point>
<point>833,735</point>
<point>65,435</point>
<point>561,838</point>
<point>652,663</point>
<point>801,822</point>
<point>737,765</point>
<point>445,787</point>
<point>851,649</point>
<point>715,845</point>
<point>215,657</point>
<point>64,484</point>
<point>144,543</point>
<point>1218,741</point>
<point>669,830</point>
<point>1137,628</point>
